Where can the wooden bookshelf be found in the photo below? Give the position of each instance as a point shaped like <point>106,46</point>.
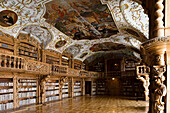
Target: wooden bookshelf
<point>101,87</point>
<point>6,44</point>
<point>94,88</point>
<point>52,90</point>
<point>131,87</point>
<point>66,59</point>
<point>77,64</point>
<point>84,66</point>
<point>65,90</point>
<point>28,47</point>
<point>77,88</point>
<point>52,57</point>
<point>27,91</point>
<point>6,94</point>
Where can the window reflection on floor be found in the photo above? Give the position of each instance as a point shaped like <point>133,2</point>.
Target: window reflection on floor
<point>87,104</point>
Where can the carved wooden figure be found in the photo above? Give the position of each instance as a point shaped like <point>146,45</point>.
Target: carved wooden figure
<point>160,90</point>
<point>42,85</point>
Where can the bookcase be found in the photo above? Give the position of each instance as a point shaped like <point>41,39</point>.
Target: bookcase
<point>84,66</point>
<point>6,44</point>
<point>65,90</point>
<point>6,93</point>
<point>52,90</point>
<point>94,88</point>
<point>101,87</point>
<point>28,47</point>
<point>27,91</point>
<point>77,64</point>
<point>77,88</point>
<point>131,87</point>
<point>52,57</point>
<point>66,59</point>
<point>98,67</point>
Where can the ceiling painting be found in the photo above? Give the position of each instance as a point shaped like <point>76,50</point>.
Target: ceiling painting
<point>40,32</point>
<point>8,18</point>
<point>83,28</point>
<point>60,43</point>
<point>107,46</point>
<point>73,50</point>
<point>81,19</point>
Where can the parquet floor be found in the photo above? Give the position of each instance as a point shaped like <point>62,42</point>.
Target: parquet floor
<point>87,104</point>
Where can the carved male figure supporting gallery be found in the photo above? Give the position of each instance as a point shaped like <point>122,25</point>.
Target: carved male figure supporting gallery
<point>160,90</point>
<point>61,82</point>
<point>43,84</point>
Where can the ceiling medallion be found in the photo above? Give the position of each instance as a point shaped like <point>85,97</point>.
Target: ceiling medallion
<point>60,43</point>
<point>8,18</point>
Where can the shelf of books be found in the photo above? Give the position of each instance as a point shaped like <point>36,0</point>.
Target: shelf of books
<point>65,61</point>
<point>28,47</point>
<point>6,94</point>
<point>94,88</point>
<point>52,57</point>
<point>52,90</point>
<point>101,87</point>
<point>65,90</point>
<point>131,87</point>
<point>6,44</point>
<point>27,91</point>
<point>77,88</point>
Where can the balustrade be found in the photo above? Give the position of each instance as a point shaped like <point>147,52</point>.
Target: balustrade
<point>37,67</point>
<point>83,73</point>
<point>59,69</point>
<point>142,69</point>
<point>94,74</point>
<point>73,72</point>
<point>11,62</point>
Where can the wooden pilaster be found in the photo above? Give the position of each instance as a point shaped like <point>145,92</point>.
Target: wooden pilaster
<point>15,92</point>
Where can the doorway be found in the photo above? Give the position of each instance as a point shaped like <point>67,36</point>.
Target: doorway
<point>88,87</point>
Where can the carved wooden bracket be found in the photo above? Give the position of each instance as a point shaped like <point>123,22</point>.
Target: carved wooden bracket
<point>143,75</point>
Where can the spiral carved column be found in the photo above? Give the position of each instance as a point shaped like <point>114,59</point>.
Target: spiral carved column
<point>159,24</point>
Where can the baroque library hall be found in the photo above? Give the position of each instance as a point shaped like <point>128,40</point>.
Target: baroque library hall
<point>84,56</point>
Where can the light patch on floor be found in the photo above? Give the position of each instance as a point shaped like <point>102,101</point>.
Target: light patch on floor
<point>87,104</point>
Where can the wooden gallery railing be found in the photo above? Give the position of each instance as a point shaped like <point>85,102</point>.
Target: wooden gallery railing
<point>83,73</point>
<point>37,67</point>
<point>13,63</point>
<point>58,69</point>
<point>73,72</point>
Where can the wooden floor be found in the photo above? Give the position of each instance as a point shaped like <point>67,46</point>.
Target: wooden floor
<point>87,104</point>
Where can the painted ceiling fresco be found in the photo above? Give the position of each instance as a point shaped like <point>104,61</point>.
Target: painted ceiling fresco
<point>39,32</point>
<point>73,49</point>
<point>79,27</point>
<point>107,46</point>
<point>81,19</point>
